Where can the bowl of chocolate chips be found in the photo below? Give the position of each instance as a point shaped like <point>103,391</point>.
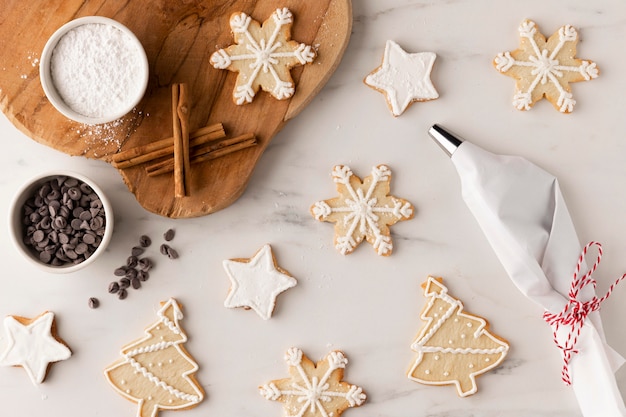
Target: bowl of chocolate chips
<point>61,221</point>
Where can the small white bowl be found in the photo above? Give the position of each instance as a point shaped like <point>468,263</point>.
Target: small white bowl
<point>17,227</point>
<point>51,91</point>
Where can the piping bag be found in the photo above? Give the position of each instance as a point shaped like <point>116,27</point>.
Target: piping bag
<point>521,211</point>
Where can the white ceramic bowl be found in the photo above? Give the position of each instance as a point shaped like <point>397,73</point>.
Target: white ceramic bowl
<point>17,227</point>
<point>140,74</point>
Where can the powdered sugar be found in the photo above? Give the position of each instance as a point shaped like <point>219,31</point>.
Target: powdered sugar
<point>97,70</point>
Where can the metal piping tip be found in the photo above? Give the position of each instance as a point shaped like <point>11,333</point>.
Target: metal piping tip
<point>445,139</point>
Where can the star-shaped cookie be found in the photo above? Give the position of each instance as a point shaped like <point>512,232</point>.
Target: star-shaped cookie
<point>545,68</point>
<point>314,390</point>
<point>403,77</point>
<point>256,282</point>
<point>363,210</point>
<point>263,56</point>
<point>33,345</point>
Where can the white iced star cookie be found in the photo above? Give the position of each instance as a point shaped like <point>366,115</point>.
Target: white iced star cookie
<point>403,77</point>
<point>33,345</point>
<point>256,282</point>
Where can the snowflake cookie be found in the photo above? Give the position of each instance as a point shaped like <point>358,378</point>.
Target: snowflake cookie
<point>403,78</point>
<point>364,209</point>
<point>545,68</point>
<point>453,346</point>
<point>256,282</point>
<point>33,344</point>
<point>263,56</point>
<point>156,372</point>
<point>314,390</point>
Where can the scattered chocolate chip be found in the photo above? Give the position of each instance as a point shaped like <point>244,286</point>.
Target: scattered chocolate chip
<point>131,262</point>
<point>94,302</point>
<point>135,283</point>
<point>144,241</point>
<point>163,249</point>
<point>171,253</point>
<point>131,273</point>
<point>169,235</point>
<point>137,250</point>
<point>144,264</point>
<point>143,275</point>
<point>124,283</point>
<point>114,287</point>
<point>122,294</point>
<point>120,272</point>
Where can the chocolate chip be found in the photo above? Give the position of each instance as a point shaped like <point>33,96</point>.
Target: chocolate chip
<point>93,302</point>
<point>171,253</point>
<point>131,261</point>
<point>145,241</point>
<point>143,275</point>
<point>114,287</point>
<point>144,264</point>
<point>122,294</point>
<point>136,284</point>
<point>169,235</point>
<point>124,283</point>
<point>163,249</point>
<point>137,250</point>
<point>120,272</point>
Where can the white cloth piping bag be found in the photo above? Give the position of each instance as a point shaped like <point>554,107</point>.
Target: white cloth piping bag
<point>522,213</point>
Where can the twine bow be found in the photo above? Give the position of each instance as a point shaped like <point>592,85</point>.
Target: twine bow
<point>575,311</point>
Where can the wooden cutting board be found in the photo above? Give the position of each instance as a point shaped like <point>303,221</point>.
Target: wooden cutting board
<point>179,38</point>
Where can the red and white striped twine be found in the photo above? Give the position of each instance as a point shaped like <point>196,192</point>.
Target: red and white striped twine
<point>576,311</point>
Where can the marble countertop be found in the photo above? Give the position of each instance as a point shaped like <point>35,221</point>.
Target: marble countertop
<point>365,305</point>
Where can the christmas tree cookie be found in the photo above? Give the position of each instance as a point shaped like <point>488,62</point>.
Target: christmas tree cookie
<point>453,346</point>
<point>263,56</point>
<point>545,68</point>
<point>314,390</point>
<point>156,372</point>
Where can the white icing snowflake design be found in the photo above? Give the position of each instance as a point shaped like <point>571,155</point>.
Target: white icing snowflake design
<point>363,210</point>
<point>545,68</point>
<point>314,390</point>
<point>263,56</point>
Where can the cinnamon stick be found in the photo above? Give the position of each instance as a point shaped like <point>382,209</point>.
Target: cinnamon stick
<point>180,123</point>
<point>205,153</point>
<point>165,147</point>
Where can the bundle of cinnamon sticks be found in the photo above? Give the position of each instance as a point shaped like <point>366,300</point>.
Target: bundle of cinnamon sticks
<point>177,153</point>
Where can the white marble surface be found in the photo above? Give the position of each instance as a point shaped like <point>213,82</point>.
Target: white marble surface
<point>366,305</point>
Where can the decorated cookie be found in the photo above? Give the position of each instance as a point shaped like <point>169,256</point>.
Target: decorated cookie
<point>263,56</point>
<point>155,371</point>
<point>403,78</point>
<point>33,344</point>
<point>256,282</point>
<point>453,346</point>
<point>314,390</point>
<point>364,209</point>
<point>545,68</point>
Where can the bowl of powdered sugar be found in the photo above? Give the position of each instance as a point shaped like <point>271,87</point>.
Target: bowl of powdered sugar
<point>94,70</point>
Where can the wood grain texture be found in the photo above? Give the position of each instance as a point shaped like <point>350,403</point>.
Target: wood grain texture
<point>179,38</point>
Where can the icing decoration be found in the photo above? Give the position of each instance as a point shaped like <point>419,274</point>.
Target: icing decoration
<point>575,311</point>
<point>314,390</point>
<point>32,345</point>
<point>404,78</point>
<point>256,282</point>
<point>545,68</point>
<point>364,209</point>
<point>453,346</point>
<point>156,372</point>
<point>263,56</point>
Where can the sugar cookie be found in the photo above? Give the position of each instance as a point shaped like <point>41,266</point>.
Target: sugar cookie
<point>545,68</point>
<point>314,390</point>
<point>263,56</point>
<point>453,346</point>
<point>364,209</point>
